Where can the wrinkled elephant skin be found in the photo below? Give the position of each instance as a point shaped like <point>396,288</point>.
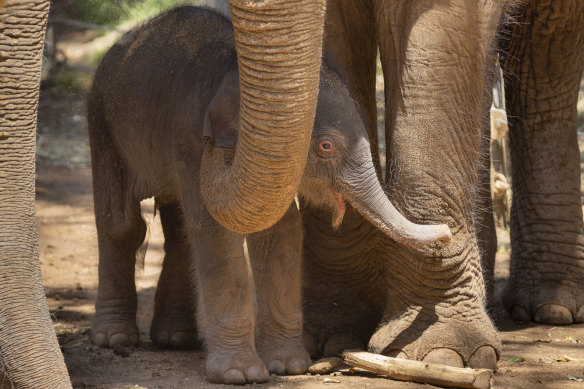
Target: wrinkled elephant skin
<point>29,352</point>
<point>425,303</point>
<point>545,60</point>
<point>147,140</point>
<point>429,304</point>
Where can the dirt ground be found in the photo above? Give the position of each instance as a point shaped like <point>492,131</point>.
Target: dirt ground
<point>534,356</point>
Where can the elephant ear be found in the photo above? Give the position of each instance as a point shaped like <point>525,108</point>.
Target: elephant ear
<point>221,123</point>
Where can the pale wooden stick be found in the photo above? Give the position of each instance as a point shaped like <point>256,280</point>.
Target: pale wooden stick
<point>418,371</point>
<point>325,365</point>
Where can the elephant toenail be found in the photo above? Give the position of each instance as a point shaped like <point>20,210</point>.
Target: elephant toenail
<point>396,353</point>
<point>234,376</point>
<point>339,342</point>
<point>553,314</point>
<point>100,339</point>
<point>134,339</point>
<point>444,356</point>
<point>277,367</point>
<point>519,313</point>
<point>256,374</point>
<point>119,339</point>
<point>162,340</point>
<point>325,365</point>
<point>580,315</point>
<point>180,340</point>
<point>296,366</point>
<point>484,358</point>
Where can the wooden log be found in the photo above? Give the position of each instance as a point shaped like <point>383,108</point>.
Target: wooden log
<point>419,371</point>
<point>325,365</point>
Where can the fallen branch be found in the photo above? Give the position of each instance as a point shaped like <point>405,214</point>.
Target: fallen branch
<point>325,365</point>
<point>418,371</point>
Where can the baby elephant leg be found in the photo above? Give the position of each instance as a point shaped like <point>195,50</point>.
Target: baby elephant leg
<point>225,313</point>
<point>276,258</point>
<point>120,232</point>
<point>173,324</point>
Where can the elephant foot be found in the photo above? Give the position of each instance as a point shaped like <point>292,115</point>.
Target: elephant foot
<point>236,368</point>
<point>284,357</point>
<point>546,275</point>
<point>560,303</point>
<point>331,345</point>
<point>174,330</point>
<point>173,335</point>
<point>111,329</point>
<point>458,342</point>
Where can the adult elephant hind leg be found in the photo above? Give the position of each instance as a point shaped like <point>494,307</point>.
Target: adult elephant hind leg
<point>544,59</point>
<point>173,324</point>
<point>276,259</point>
<point>434,58</point>
<point>225,312</point>
<point>120,232</point>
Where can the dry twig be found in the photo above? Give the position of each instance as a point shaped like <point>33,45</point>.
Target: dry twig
<point>418,371</point>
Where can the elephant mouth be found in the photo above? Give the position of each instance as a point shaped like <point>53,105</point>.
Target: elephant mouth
<point>338,207</point>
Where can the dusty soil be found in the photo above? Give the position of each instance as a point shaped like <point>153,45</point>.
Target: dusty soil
<point>534,356</point>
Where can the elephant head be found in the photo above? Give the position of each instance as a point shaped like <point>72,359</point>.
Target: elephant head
<point>339,166</point>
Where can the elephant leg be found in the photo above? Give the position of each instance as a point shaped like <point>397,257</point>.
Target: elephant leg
<point>120,232</point>
<point>119,237</point>
<point>276,260</point>
<point>343,284</point>
<point>173,324</point>
<point>225,313</point>
<point>434,57</point>
<point>544,59</point>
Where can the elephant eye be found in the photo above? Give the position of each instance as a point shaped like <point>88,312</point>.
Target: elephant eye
<point>326,145</point>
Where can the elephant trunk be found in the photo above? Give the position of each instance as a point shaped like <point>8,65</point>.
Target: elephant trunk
<point>279,50</point>
<point>363,190</point>
<point>29,353</point>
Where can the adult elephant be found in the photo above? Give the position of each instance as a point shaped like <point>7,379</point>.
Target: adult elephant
<point>279,47</point>
<point>429,304</point>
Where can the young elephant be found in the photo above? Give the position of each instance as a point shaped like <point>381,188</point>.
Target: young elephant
<point>160,91</point>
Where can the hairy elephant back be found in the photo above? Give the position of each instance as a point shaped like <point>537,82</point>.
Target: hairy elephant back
<point>152,88</point>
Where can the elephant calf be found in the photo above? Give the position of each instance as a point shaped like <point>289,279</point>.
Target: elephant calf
<point>164,92</point>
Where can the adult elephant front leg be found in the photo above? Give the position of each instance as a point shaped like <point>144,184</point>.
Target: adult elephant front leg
<point>434,57</point>
<point>545,58</point>
<point>29,353</point>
